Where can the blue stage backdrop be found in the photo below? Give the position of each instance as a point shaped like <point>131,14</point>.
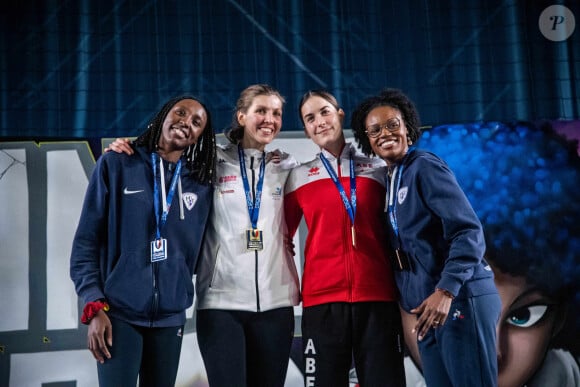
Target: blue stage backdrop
<point>85,69</point>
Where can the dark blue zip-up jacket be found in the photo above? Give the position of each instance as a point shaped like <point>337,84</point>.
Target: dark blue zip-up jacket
<point>111,252</point>
<point>440,233</point>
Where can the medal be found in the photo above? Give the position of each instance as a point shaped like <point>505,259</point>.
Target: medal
<point>350,206</point>
<point>403,262</point>
<point>159,245</point>
<point>158,250</point>
<point>399,261</point>
<point>254,239</point>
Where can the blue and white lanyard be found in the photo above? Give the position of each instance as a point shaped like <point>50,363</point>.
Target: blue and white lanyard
<point>253,205</point>
<point>350,206</point>
<point>161,216</point>
<point>392,208</point>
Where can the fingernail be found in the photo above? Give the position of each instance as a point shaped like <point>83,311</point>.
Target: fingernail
<point>420,338</point>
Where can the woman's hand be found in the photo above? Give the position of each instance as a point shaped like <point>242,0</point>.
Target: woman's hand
<point>100,336</point>
<point>120,145</point>
<point>432,312</point>
<point>289,244</point>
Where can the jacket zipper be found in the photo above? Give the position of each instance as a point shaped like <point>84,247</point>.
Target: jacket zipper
<point>256,252</point>
<point>155,269</point>
<point>155,302</point>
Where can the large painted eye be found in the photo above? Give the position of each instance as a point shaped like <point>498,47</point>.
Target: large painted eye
<point>527,316</point>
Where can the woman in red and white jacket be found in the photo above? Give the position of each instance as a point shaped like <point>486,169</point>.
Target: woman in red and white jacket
<point>348,292</point>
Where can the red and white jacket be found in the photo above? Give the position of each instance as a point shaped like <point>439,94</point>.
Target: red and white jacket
<point>334,269</point>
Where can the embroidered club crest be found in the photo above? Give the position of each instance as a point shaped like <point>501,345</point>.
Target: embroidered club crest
<point>189,200</point>
<point>402,194</point>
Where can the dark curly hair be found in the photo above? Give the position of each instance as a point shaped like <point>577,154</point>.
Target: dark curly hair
<point>522,180</point>
<point>236,132</point>
<point>200,156</point>
<point>388,97</point>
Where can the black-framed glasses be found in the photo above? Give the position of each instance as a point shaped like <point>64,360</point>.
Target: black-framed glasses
<point>392,125</point>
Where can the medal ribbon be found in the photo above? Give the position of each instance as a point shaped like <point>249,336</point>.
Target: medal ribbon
<point>161,216</point>
<point>350,206</point>
<point>253,205</point>
<point>392,208</point>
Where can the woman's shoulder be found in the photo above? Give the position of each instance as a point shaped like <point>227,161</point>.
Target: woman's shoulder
<point>370,161</point>
<point>224,148</point>
<point>113,159</point>
<point>425,158</point>
<point>226,152</point>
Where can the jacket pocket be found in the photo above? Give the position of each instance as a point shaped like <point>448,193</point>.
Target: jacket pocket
<point>175,286</point>
<point>130,284</point>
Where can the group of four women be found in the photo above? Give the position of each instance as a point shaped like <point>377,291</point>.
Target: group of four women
<point>134,255</point>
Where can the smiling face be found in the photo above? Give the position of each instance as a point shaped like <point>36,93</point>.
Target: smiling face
<point>389,145</point>
<point>527,323</point>
<point>182,127</point>
<point>262,121</point>
<point>323,123</point>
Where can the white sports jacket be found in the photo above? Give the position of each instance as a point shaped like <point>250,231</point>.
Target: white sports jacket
<point>229,276</point>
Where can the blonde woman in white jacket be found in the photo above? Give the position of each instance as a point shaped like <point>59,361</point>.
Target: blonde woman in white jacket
<point>247,283</point>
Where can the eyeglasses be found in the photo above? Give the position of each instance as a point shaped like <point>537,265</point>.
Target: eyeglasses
<point>392,125</point>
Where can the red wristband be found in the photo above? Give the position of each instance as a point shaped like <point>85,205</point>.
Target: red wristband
<point>91,309</point>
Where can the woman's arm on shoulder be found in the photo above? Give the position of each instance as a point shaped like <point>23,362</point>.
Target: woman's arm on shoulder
<point>285,160</point>
<point>120,145</point>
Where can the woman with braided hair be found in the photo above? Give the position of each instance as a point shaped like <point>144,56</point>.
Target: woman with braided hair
<point>200,156</point>
<point>246,282</point>
<point>138,242</point>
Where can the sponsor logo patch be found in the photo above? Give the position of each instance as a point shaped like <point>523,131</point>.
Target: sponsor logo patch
<point>227,179</point>
<point>313,171</point>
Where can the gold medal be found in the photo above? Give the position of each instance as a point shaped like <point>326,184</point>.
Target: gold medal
<point>254,239</point>
<point>403,262</point>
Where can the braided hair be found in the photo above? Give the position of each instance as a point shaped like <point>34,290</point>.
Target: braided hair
<point>200,156</point>
<point>236,131</point>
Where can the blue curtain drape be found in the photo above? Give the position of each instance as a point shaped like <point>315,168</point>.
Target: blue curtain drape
<point>81,68</point>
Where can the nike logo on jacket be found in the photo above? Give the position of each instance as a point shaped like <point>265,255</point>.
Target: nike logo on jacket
<point>126,191</point>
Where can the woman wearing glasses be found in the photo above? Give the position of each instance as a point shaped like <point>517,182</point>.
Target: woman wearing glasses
<point>438,248</point>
